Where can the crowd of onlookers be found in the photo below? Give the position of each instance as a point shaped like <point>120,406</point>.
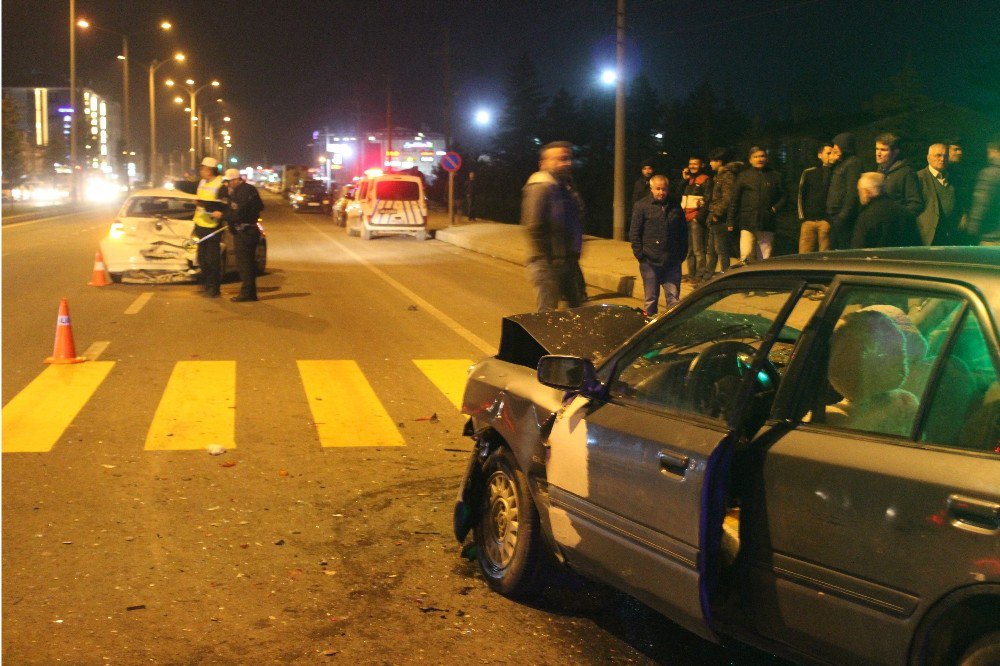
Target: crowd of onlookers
<point>731,207</point>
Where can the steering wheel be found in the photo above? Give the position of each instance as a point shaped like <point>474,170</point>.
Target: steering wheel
<point>714,377</point>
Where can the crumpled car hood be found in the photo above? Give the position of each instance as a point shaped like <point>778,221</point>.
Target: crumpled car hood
<point>590,332</point>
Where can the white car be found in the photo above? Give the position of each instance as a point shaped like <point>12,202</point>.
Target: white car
<point>388,204</point>
<point>151,239</point>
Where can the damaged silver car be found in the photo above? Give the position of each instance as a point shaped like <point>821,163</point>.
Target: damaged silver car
<point>804,455</point>
<point>151,240</point>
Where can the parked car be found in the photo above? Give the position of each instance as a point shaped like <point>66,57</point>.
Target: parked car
<point>311,195</point>
<point>388,204</point>
<point>803,455</point>
<point>151,239</point>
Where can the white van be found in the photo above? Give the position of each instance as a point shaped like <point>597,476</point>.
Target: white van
<point>388,204</point>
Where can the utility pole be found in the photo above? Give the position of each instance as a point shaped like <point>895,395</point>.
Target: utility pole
<point>75,189</point>
<point>447,89</point>
<point>618,219</point>
<point>388,119</point>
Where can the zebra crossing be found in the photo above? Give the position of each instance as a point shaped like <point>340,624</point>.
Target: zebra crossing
<point>198,404</point>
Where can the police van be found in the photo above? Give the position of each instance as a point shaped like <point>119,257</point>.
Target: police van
<point>388,204</point>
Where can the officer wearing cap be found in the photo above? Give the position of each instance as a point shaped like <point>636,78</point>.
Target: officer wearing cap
<point>206,222</point>
<point>241,215</point>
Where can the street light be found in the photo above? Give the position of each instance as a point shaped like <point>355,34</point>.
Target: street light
<point>85,24</point>
<point>193,93</point>
<point>483,117</point>
<point>153,66</point>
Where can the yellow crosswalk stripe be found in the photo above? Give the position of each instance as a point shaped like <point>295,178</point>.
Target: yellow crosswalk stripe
<point>448,375</point>
<point>344,406</point>
<point>36,417</point>
<point>197,408</point>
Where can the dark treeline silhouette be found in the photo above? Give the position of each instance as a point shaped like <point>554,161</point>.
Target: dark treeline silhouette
<point>669,131</point>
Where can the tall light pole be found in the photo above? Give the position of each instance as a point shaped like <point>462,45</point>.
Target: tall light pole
<point>126,114</point>
<point>74,178</point>
<point>153,66</point>
<point>618,218</point>
<point>193,93</point>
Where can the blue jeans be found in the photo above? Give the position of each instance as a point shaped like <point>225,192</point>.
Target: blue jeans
<point>718,250</point>
<point>652,277</point>
<point>696,249</point>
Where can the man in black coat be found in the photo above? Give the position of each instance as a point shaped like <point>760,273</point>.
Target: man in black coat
<point>842,197</point>
<point>241,215</point>
<point>901,184</point>
<point>882,221</point>
<point>758,195</point>
<point>659,238</point>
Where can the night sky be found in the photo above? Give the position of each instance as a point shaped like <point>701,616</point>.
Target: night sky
<point>288,68</point>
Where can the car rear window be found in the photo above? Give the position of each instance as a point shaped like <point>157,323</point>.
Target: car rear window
<point>397,190</point>
<point>313,187</point>
<point>177,209</point>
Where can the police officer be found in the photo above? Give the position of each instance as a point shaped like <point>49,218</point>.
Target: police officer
<point>206,222</point>
<point>241,216</point>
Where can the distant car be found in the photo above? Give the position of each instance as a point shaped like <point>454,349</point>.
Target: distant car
<point>312,196</point>
<point>388,204</point>
<point>151,239</point>
<point>803,455</point>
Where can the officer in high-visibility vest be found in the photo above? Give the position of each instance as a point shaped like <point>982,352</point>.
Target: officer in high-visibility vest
<point>207,221</point>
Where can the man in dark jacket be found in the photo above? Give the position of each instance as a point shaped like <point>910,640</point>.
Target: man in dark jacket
<point>984,216</point>
<point>901,183</point>
<point>241,215</point>
<point>659,238</point>
<point>640,190</point>
<point>813,187</point>
<point>882,221</point>
<point>552,216</point>
<point>939,220</point>
<point>757,197</point>
<point>842,197</point>
<point>723,241</point>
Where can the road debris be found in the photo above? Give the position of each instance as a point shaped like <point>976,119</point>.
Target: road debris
<point>433,418</point>
<point>215,449</point>
<point>136,607</point>
<point>228,463</point>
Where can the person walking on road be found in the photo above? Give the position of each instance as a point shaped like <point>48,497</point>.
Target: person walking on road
<point>205,226</point>
<point>241,215</point>
<point>659,238</point>
<point>552,216</point>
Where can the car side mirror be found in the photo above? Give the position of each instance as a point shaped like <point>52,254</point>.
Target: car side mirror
<point>568,373</point>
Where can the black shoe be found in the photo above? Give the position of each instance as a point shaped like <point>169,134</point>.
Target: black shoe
<point>243,299</point>
<point>210,294</point>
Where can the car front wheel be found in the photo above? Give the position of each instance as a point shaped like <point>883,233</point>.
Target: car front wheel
<point>984,652</point>
<point>507,534</point>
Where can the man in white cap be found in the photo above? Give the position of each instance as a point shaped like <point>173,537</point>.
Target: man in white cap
<point>206,222</point>
<point>241,215</point>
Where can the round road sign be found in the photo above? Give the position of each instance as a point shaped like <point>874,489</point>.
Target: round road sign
<point>451,161</point>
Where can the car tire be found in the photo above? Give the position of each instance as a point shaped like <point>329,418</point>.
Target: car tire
<point>352,231</point>
<point>366,233</point>
<point>260,258</point>
<point>116,277</point>
<point>507,533</point>
<point>984,652</point>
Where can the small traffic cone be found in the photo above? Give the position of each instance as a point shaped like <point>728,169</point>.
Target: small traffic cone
<point>100,275</point>
<point>64,350</point>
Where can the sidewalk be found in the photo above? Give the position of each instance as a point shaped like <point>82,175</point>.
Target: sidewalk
<point>608,265</point>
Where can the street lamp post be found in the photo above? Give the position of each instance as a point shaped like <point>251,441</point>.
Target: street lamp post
<point>618,217</point>
<point>126,114</point>
<point>74,178</point>
<point>153,66</point>
<point>193,93</point>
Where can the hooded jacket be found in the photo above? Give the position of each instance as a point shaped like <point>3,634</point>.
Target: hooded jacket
<point>658,233</point>
<point>552,216</point>
<point>902,186</point>
<point>842,202</point>
<point>721,195</point>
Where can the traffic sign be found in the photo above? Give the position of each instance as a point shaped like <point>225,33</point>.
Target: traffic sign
<point>451,162</point>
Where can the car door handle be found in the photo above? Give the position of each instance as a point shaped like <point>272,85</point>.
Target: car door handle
<point>672,463</point>
<point>975,515</point>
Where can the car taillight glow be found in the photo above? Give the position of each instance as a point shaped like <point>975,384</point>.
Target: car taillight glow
<point>117,230</point>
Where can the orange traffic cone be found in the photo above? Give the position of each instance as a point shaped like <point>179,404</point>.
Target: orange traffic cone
<point>100,275</point>
<point>64,350</point>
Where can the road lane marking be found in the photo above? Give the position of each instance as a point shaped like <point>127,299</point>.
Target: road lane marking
<point>198,408</point>
<point>344,406</point>
<point>35,419</point>
<point>457,328</point>
<point>448,375</point>
<point>40,219</point>
<point>95,350</point>
<point>139,302</point>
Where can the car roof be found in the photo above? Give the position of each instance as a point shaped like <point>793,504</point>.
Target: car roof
<point>164,192</point>
<point>395,176</point>
<point>975,267</point>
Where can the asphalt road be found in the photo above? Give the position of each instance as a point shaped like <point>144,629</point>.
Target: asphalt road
<point>321,534</point>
